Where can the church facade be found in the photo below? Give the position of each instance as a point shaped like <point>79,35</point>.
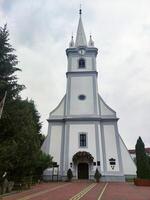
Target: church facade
<point>82,130</point>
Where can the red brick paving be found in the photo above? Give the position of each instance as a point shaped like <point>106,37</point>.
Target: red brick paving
<point>34,189</point>
<point>64,193</point>
<point>125,191</point>
<point>114,191</point>
<point>95,192</point>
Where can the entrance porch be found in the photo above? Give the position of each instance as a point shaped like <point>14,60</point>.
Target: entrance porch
<point>83,163</point>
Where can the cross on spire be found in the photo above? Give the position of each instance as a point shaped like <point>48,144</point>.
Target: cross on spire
<point>80,37</point>
<point>80,10</point>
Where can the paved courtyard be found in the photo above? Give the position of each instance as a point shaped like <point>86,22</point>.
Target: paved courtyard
<point>83,190</point>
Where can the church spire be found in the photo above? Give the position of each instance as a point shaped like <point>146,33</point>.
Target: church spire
<point>91,42</point>
<point>71,44</point>
<point>80,37</point>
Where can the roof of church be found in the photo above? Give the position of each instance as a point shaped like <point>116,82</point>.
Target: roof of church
<point>132,151</point>
<point>80,37</point>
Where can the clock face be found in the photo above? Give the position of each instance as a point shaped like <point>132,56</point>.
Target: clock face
<point>81,51</point>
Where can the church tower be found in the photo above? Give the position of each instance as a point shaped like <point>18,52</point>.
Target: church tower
<point>83,132</point>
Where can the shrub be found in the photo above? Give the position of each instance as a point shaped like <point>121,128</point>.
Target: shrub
<point>97,175</point>
<point>69,174</point>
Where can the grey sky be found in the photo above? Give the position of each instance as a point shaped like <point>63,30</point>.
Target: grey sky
<point>40,31</point>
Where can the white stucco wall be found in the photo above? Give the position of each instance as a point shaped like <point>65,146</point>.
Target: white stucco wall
<point>133,156</point>
<point>74,147</point>
<point>74,63</point>
<point>105,110</point>
<point>46,144</point>
<point>59,110</point>
<point>128,164</point>
<point>110,146</point>
<point>81,85</point>
<point>55,142</point>
<point>100,145</point>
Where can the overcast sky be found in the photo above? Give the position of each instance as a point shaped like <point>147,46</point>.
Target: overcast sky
<point>40,31</point>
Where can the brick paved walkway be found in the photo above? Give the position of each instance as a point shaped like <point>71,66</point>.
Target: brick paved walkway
<point>126,191</point>
<point>84,191</point>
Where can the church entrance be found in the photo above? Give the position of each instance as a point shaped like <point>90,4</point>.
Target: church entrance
<point>83,171</point>
<point>82,160</point>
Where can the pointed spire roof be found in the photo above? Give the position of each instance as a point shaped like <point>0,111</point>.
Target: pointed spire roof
<point>91,42</point>
<point>71,44</point>
<point>80,37</point>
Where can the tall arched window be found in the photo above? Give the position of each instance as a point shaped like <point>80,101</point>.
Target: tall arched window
<point>81,63</point>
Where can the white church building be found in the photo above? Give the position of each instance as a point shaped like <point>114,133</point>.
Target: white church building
<point>82,130</point>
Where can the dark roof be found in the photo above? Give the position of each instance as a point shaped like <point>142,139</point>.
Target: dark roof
<point>132,151</point>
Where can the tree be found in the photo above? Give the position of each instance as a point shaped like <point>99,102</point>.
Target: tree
<point>143,167</point>
<point>8,82</point>
<point>43,162</point>
<point>8,62</point>
<point>41,138</point>
<point>19,132</point>
<point>20,137</point>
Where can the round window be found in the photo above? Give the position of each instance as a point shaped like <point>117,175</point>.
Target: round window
<point>82,97</point>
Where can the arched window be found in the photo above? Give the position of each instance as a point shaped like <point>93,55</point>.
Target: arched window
<point>81,63</point>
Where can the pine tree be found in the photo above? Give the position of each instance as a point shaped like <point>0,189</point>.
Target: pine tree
<point>143,167</point>
<point>20,137</point>
<point>8,82</point>
<point>8,62</point>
